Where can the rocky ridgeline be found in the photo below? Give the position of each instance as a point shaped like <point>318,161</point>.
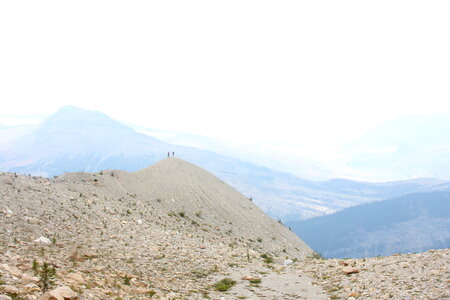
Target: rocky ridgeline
<point>172,231</point>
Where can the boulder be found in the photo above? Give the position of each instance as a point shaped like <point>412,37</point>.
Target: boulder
<point>75,256</point>
<point>9,289</point>
<point>287,262</point>
<point>99,268</point>
<point>250,278</point>
<point>349,270</point>
<point>11,270</point>
<point>354,295</point>
<point>76,277</point>
<point>32,220</point>
<point>25,279</point>
<point>31,287</point>
<point>60,293</point>
<point>43,241</point>
<point>90,255</point>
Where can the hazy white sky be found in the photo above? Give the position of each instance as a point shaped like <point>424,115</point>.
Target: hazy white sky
<point>283,73</point>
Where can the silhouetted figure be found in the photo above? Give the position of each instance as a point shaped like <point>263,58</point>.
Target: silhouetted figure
<point>173,154</point>
<point>168,154</point>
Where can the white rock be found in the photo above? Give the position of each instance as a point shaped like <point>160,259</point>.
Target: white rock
<point>140,222</point>
<point>43,241</point>
<point>287,262</point>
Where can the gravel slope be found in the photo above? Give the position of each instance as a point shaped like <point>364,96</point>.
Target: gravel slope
<point>173,228</point>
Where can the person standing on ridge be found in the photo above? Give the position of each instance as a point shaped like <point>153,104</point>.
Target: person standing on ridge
<point>168,154</point>
<point>173,154</point>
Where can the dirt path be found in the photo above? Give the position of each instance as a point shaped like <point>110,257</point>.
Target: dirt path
<point>276,283</point>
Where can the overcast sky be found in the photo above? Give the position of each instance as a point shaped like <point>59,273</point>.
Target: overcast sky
<point>291,74</point>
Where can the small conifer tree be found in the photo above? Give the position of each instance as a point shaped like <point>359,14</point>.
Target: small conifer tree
<point>47,277</point>
<point>35,267</point>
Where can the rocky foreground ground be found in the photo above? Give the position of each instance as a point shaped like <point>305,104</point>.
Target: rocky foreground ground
<point>406,276</point>
<point>112,235</point>
<point>412,276</point>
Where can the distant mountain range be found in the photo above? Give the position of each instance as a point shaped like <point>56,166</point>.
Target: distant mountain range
<point>411,223</point>
<point>300,167</point>
<point>412,146</point>
<point>74,139</point>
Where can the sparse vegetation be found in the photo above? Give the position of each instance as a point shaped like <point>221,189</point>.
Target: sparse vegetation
<point>255,281</point>
<point>174,257</point>
<point>200,273</point>
<point>182,214</point>
<point>35,267</point>
<point>224,284</point>
<point>151,293</point>
<point>127,280</point>
<point>268,259</point>
<point>47,277</point>
<point>317,255</point>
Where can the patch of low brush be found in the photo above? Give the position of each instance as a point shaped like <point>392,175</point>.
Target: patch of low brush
<point>267,258</point>
<point>224,284</point>
<point>317,255</point>
<point>255,281</point>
